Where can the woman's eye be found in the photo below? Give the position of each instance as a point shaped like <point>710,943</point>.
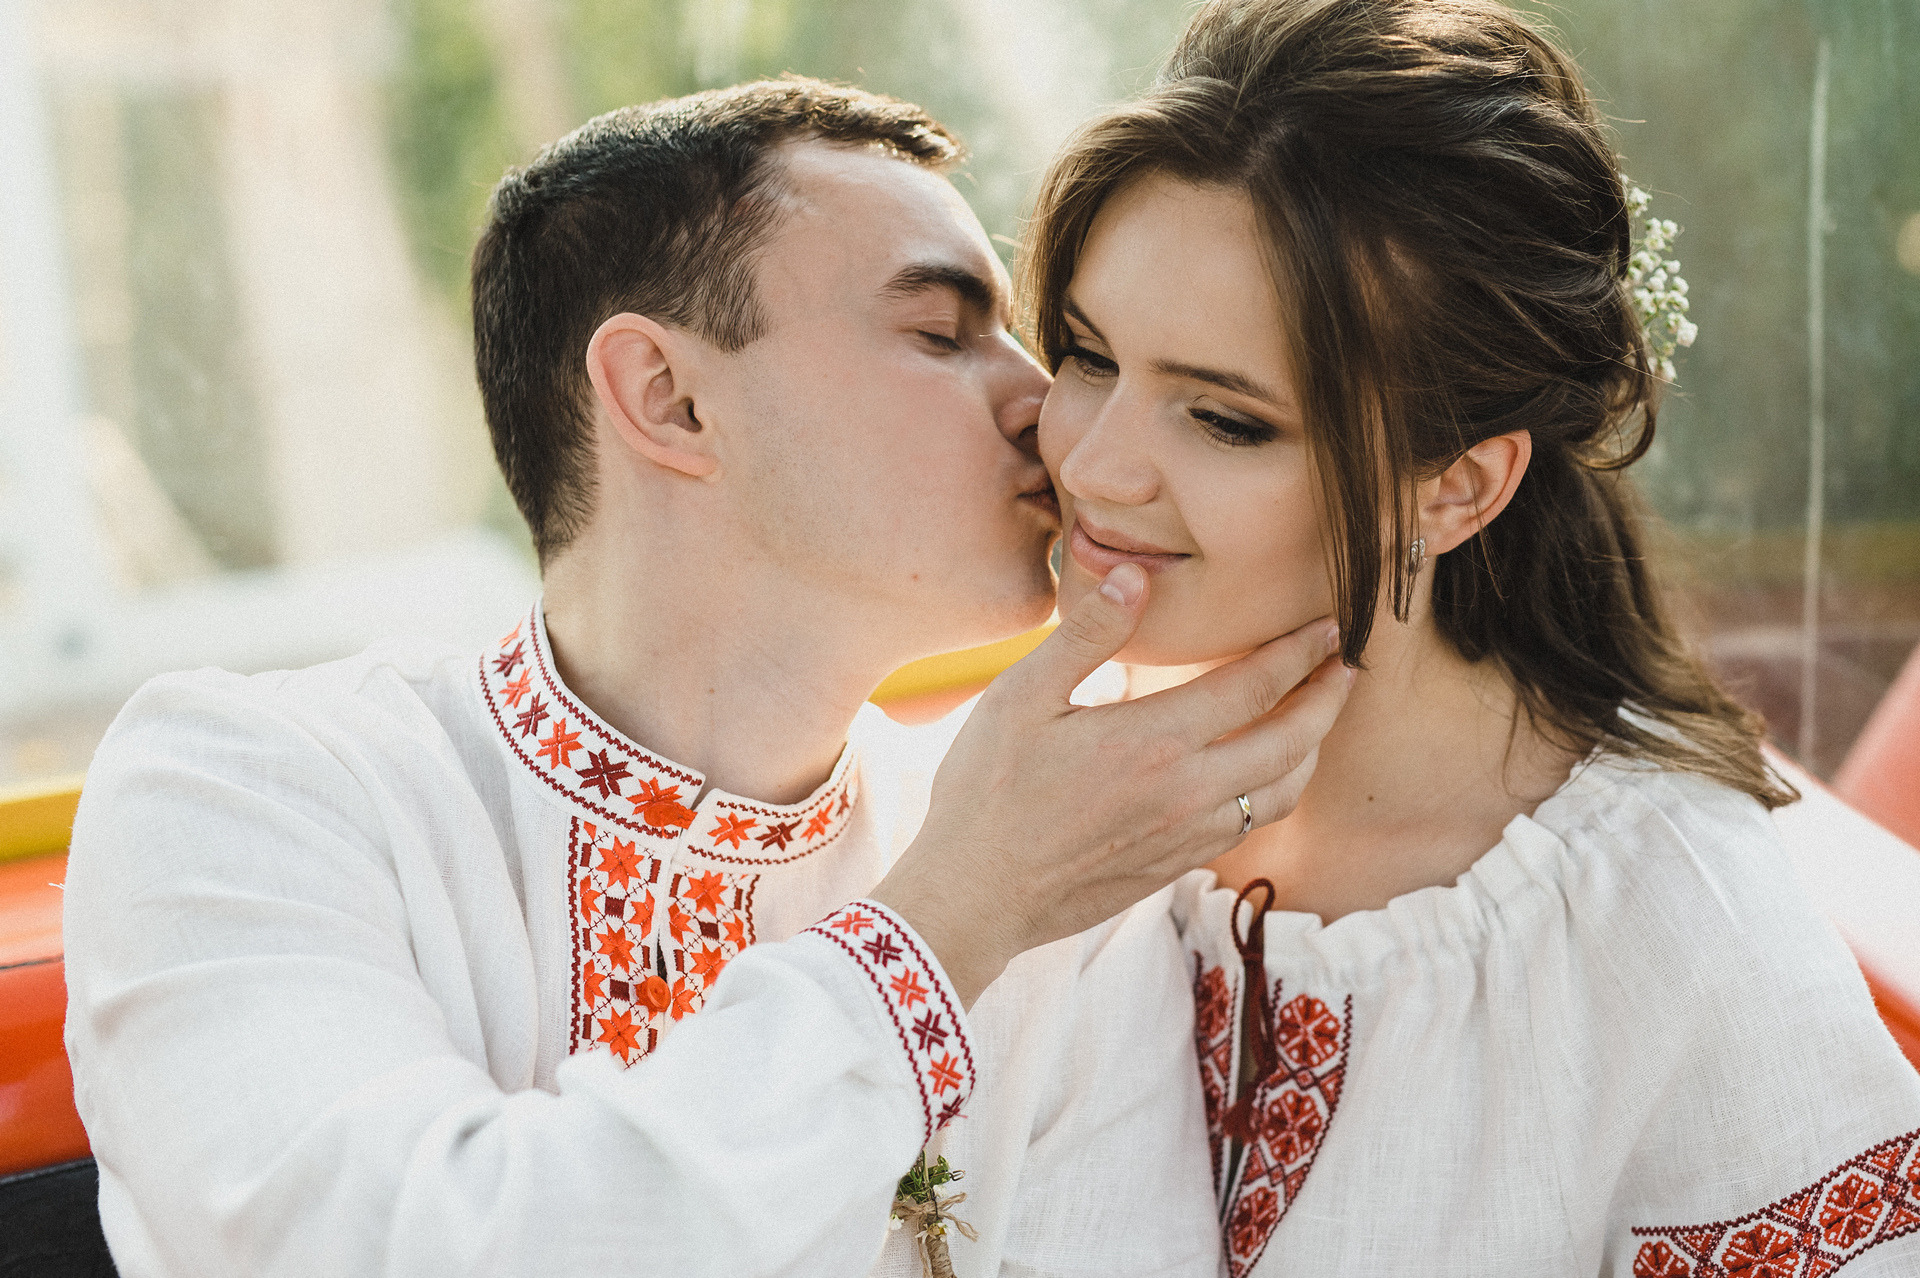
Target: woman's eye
<point>941,340</point>
<point>1233,431</point>
<point>1090,364</point>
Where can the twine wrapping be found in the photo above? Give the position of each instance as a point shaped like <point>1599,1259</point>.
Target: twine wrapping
<point>929,1221</point>
<point>917,1205</point>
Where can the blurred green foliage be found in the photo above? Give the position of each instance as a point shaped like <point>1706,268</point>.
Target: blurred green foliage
<point>448,133</point>
<point>1713,107</point>
<point>451,138</point>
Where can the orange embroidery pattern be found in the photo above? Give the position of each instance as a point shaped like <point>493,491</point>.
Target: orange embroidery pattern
<point>658,805</point>
<point>711,916</point>
<point>648,942</point>
<point>763,839</point>
<point>621,1000</point>
<point>1293,1106</point>
<point>1872,1198</point>
<point>567,747</point>
<point>916,1000</point>
<point>612,781</point>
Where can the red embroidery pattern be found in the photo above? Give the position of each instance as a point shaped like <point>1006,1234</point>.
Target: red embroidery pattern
<point>1294,1105</point>
<point>620,999</point>
<point>923,1012</point>
<point>1213,1044</point>
<point>1873,1197</point>
<point>614,782</point>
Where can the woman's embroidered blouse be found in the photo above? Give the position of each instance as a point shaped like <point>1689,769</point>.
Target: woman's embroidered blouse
<point>1623,1044</point>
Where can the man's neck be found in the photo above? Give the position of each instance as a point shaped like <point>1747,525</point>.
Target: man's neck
<point>732,678</point>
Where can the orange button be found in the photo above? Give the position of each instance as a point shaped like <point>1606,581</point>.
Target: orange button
<point>653,992</point>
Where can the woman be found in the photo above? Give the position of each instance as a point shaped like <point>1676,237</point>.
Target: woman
<point>1340,319</point>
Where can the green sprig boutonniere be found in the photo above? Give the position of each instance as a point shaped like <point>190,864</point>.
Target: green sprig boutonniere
<point>918,1205</point>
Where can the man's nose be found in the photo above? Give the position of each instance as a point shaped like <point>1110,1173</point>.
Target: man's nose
<point>1020,388</point>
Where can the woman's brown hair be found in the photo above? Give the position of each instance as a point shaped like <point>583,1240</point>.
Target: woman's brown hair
<point>1448,233</point>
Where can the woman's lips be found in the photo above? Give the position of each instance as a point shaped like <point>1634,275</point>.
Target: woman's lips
<point>1100,559</point>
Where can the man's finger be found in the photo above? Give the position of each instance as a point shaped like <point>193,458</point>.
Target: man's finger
<point>1277,801</point>
<point>1274,747</point>
<point>1234,695</point>
<point>1088,637</point>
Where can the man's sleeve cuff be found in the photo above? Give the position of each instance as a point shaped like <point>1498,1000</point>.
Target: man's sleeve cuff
<point>917,1001</point>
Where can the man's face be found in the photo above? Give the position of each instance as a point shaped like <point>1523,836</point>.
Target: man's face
<point>883,440</point>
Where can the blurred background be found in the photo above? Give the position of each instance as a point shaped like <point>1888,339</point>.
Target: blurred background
<point>238,426</point>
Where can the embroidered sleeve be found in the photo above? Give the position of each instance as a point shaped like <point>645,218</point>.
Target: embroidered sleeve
<point>920,1005</point>
<point>1872,1198</point>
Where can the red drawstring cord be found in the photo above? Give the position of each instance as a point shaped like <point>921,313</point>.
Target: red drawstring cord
<point>1258,1008</point>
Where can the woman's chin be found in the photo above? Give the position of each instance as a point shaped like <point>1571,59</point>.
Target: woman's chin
<point>1149,649</point>
<point>1164,637</point>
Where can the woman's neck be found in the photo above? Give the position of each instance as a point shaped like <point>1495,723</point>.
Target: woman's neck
<point>1425,767</point>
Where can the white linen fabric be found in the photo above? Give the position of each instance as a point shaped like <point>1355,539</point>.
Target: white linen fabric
<point>411,965</point>
<point>1622,1044</point>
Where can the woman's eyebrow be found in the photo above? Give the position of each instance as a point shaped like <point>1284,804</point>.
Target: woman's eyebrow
<point>1072,308</point>
<point>1238,383</point>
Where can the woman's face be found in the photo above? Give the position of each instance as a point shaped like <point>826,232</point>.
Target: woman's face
<point>1173,433</point>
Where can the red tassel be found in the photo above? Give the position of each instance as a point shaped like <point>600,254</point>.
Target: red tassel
<point>1240,1122</point>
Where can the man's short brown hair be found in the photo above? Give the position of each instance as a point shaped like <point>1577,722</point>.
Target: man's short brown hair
<point>659,210</point>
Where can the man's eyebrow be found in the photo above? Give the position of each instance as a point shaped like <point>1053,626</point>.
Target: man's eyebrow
<point>1238,383</point>
<point>975,289</point>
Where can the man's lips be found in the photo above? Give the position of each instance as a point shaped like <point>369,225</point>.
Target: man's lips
<point>1044,499</point>
<point>1100,558</point>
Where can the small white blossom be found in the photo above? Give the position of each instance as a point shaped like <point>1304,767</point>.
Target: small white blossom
<point>1655,286</point>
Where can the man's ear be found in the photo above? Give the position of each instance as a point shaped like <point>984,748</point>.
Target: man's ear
<point>639,372</point>
<point>1467,495</point>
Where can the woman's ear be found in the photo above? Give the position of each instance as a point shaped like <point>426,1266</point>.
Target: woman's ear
<point>639,375</point>
<point>1467,495</point>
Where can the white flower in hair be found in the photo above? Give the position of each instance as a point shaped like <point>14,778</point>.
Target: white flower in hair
<point>1654,283</point>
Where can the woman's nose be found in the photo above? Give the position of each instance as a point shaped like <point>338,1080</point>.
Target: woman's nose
<point>1109,462</point>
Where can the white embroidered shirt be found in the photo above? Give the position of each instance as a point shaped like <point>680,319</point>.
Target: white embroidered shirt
<point>1622,1044</point>
<point>409,965</point>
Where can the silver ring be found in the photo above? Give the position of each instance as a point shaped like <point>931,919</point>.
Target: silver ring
<point>1246,815</point>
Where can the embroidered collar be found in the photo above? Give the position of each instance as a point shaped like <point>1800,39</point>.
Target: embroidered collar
<point>607,777</point>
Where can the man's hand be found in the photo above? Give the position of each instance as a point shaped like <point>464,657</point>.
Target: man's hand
<point>1048,817</point>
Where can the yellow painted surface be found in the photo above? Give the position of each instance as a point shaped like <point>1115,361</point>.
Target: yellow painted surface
<point>38,818</point>
<point>969,668</point>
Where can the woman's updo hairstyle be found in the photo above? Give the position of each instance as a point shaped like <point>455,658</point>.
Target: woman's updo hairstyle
<point>1448,233</point>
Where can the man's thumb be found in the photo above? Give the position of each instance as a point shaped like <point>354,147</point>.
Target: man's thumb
<point>1099,626</point>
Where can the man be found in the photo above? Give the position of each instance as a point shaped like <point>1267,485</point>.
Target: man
<point>405,966</point>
